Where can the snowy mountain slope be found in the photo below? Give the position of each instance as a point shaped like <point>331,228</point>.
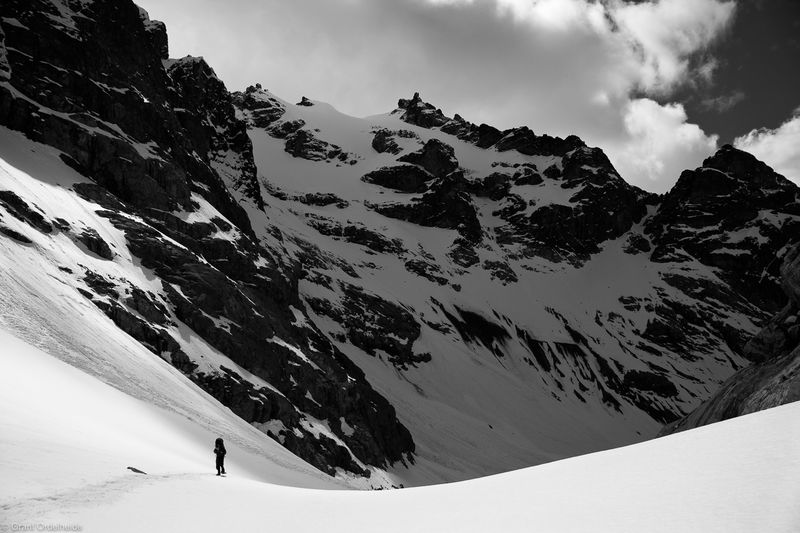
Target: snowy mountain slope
<point>59,292</point>
<point>186,276</point>
<point>407,297</point>
<point>774,378</point>
<point>596,326</point>
<point>69,433</point>
<point>732,476</point>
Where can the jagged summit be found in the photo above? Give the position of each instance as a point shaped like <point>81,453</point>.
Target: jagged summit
<point>745,166</point>
<point>420,113</point>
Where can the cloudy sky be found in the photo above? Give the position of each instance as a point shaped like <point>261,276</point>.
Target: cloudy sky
<point>658,84</point>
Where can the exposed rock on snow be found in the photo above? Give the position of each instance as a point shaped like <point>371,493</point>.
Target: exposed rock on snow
<point>435,156</point>
<point>174,167</point>
<point>446,205</point>
<point>774,378</point>
<point>404,178</point>
<point>383,142</point>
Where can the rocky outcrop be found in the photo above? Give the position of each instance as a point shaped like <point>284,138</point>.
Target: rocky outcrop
<point>382,142</point>
<point>602,207</point>
<point>262,108</point>
<point>256,330</point>
<point>205,109</point>
<point>403,178</point>
<point>416,111</point>
<point>435,156</point>
<point>284,128</point>
<point>358,234</point>
<point>732,205</point>
<point>774,379</point>
<point>71,101</point>
<point>419,113</point>
<point>95,243</point>
<point>171,163</point>
<point>19,209</point>
<point>524,141</point>
<point>303,144</point>
<point>322,199</point>
<point>447,205</point>
<point>390,329</point>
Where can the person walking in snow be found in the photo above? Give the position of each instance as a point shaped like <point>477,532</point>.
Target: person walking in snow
<point>219,451</point>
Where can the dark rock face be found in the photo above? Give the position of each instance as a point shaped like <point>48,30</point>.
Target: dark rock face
<point>474,327</point>
<point>302,143</point>
<point>382,142</point>
<point>205,109</point>
<point>731,194</point>
<point>500,271</point>
<point>17,236</point>
<point>435,156</point>
<point>358,234</point>
<point>462,253</point>
<point>390,329</point>
<point>648,381</point>
<point>199,292</point>
<point>527,175</point>
<point>420,113</point>
<point>447,205</point>
<point>403,178</point>
<point>494,186</point>
<point>603,207</point>
<point>157,137</point>
<point>526,142</point>
<point>134,87</point>
<point>102,96</point>
<point>483,136</point>
<point>284,128</point>
<point>321,199</point>
<point>19,209</point>
<point>426,270</point>
<point>263,109</point>
<point>775,377</point>
<point>95,243</point>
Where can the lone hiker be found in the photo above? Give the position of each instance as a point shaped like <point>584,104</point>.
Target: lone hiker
<point>219,451</point>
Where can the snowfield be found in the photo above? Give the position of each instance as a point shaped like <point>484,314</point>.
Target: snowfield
<point>67,439</point>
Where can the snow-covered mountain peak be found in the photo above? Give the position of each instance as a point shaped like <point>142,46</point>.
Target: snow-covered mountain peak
<point>388,296</point>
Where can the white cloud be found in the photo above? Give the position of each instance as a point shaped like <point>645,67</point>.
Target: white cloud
<point>659,142</point>
<point>558,66</point>
<point>779,147</point>
<point>556,15</point>
<point>667,33</point>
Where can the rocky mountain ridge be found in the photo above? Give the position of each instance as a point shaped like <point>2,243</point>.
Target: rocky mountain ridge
<point>391,296</point>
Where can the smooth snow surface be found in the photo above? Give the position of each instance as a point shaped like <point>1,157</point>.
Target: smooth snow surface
<point>739,475</point>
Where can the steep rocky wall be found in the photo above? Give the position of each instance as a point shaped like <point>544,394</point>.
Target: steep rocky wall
<point>775,378</point>
<point>171,164</point>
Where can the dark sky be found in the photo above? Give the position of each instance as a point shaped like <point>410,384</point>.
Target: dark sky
<point>757,80</point>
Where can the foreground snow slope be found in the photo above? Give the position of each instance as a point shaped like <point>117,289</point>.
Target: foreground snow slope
<point>738,475</point>
<point>68,435</point>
